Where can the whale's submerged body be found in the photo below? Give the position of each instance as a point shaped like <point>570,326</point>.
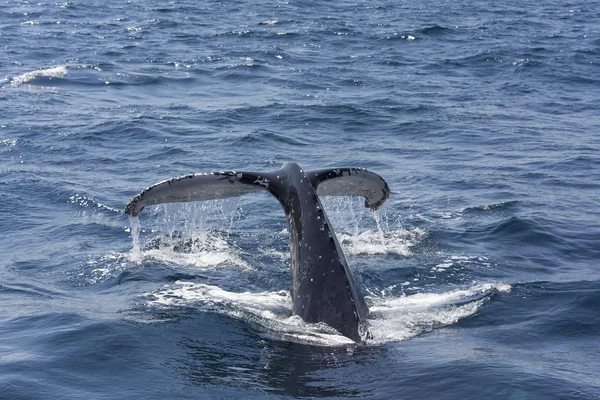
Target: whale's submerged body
<point>323,286</point>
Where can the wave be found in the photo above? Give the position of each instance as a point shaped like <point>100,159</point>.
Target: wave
<point>28,289</point>
<point>264,136</point>
<point>492,207</point>
<point>435,30</point>
<point>59,71</point>
<point>393,318</point>
<point>54,72</point>
<point>524,230</point>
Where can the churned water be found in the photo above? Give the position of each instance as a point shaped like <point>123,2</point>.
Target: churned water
<point>482,271</point>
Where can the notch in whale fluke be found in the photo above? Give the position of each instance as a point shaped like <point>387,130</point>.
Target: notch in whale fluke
<point>223,184</point>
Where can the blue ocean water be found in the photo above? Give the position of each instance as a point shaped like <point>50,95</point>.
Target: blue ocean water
<point>482,269</point>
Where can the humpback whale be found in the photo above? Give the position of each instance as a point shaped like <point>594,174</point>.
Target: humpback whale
<point>323,288</point>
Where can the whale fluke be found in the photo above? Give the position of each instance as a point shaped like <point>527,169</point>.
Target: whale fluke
<point>323,286</point>
<point>196,187</point>
<point>350,182</point>
<point>223,184</point>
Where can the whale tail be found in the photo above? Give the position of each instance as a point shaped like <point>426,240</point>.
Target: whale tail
<point>223,184</point>
<point>323,286</point>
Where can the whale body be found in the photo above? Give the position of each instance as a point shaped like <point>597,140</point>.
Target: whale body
<point>323,288</point>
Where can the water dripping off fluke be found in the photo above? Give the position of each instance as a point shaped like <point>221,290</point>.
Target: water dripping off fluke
<point>377,217</point>
<point>136,251</point>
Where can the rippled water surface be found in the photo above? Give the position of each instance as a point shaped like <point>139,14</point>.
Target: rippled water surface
<point>481,271</point>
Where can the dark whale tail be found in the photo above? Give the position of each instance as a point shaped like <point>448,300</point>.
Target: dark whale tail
<point>323,286</point>
<point>223,184</point>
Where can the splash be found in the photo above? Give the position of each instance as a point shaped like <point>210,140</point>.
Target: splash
<point>207,250</point>
<point>369,232</point>
<point>393,318</point>
<point>188,236</point>
<point>400,242</point>
<point>270,312</point>
<point>401,318</point>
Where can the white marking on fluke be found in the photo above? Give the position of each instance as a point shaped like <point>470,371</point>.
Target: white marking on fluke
<point>263,182</point>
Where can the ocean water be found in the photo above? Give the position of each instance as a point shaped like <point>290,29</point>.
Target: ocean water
<point>482,270</point>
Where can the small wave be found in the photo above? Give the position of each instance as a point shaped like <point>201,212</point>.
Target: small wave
<point>530,231</point>
<point>398,36</point>
<point>51,73</point>
<point>393,318</point>
<point>434,30</point>
<point>492,207</point>
<point>245,32</point>
<point>263,136</point>
<point>455,262</point>
<point>28,289</point>
<point>267,304</point>
<point>90,202</point>
<point>55,72</point>
<point>268,22</point>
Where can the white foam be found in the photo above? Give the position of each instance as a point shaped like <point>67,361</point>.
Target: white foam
<point>405,317</point>
<point>203,260</point>
<point>202,250</point>
<point>269,311</point>
<point>382,242</point>
<point>393,318</point>
<point>185,293</point>
<point>55,72</point>
<point>8,142</point>
<point>459,261</point>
